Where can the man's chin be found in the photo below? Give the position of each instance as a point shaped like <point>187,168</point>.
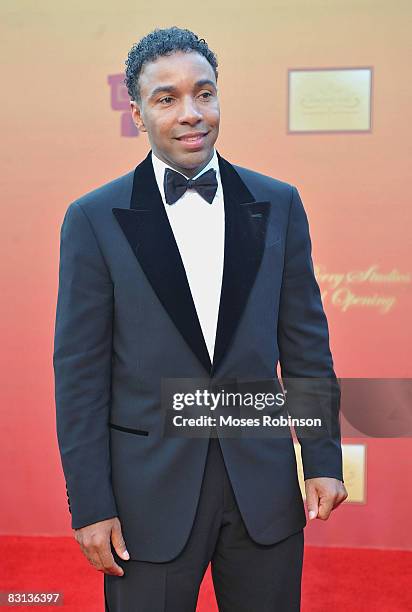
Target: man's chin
<point>194,159</point>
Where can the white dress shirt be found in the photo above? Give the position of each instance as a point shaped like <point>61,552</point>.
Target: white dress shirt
<point>199,231</point>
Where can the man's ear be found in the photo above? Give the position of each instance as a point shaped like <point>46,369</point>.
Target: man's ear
<point>137,116</point>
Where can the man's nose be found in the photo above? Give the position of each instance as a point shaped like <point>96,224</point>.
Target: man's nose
<point>189,113</point>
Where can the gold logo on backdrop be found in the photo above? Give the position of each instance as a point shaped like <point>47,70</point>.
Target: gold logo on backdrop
<point>366,288</point>
<point>330,100</point>
<point>354,473</point>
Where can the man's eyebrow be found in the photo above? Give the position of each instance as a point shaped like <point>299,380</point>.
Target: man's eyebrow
<point>203,82</point>
<point>172,89</point>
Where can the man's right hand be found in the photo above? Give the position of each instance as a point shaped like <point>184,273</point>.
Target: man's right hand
<point>95,541</point>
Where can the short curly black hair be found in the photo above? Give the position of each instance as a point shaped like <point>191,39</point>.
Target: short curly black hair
<point>161,42</point>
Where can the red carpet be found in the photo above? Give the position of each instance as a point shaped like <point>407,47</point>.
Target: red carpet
<point>333,579</point>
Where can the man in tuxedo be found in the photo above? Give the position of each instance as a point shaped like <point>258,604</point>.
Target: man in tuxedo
<point>189,267</point>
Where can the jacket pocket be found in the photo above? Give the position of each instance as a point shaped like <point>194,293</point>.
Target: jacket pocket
<point>138,432</point>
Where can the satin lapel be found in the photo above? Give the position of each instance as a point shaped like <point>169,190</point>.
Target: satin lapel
<point>147,228</point>
<point>245,231</point>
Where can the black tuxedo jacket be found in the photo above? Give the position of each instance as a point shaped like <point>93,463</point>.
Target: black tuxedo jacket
<point>126,320</point>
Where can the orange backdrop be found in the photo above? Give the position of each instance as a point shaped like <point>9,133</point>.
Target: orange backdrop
<point>61,137</point>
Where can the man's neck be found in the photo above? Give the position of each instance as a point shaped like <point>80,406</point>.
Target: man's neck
<point>187,172</point>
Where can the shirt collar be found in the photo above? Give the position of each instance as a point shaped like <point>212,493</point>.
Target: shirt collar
<point>159,168</point>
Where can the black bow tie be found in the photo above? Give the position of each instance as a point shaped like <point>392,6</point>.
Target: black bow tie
<point>175,185</point>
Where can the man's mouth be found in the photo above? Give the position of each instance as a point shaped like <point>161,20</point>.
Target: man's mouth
<point>193,141</point>
<point>192,137</point>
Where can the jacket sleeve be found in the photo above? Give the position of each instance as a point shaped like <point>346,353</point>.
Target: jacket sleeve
<point>304,354</point>
<point>82,370</point>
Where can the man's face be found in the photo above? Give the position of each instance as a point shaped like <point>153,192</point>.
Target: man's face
<point>179,110</point>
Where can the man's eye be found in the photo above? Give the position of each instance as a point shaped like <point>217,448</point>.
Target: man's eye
<point>206,94</point>
<point>166,100</point>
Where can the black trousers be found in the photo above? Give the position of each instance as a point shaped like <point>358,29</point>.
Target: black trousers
<point>247,577</point>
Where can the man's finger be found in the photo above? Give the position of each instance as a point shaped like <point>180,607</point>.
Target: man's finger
<point>325,507</point>
<point>94,559</point>
<point>92,556</point>
<point>312,501</point>
<point>99,555</point>
<point>342,495</point>
<point>109,565</point>
<point>118,542</point>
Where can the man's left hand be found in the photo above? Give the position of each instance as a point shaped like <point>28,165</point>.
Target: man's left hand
<point>323,495</point>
